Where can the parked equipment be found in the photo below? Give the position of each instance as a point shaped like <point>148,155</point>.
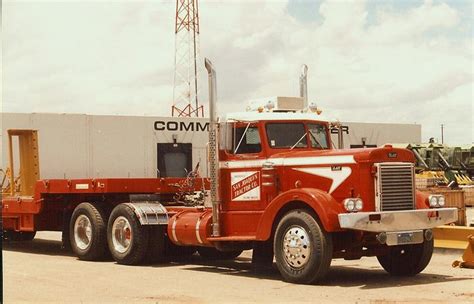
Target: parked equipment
<point>276,186</point>
<point>468,256</point>
<point>443,165</point>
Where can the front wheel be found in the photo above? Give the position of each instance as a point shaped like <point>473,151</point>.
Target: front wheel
<point>303,250</point>
<point>407,260</point>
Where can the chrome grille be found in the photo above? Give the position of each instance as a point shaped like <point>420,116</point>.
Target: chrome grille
<point>395,186</point>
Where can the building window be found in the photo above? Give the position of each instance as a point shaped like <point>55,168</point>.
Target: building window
<point>174,160</point>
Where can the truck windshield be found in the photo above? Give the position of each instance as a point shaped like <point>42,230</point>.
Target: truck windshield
<point>318,136</point>
<point>286,135</point>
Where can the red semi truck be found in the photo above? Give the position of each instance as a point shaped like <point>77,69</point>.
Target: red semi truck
<point>276,186</point>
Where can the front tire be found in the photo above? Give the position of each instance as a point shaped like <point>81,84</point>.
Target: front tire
<point>303,250</point>
<point>407,260</point>
<point>87,232</point>
<point>128,240</point>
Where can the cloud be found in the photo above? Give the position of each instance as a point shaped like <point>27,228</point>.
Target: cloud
<point>368,61</point>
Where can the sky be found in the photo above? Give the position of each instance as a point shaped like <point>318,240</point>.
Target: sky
<point>389,61</point>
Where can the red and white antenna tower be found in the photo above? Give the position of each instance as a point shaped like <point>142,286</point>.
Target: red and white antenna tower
<point>185,91</point>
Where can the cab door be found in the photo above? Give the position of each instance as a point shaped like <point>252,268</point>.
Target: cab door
<point>242,158</point>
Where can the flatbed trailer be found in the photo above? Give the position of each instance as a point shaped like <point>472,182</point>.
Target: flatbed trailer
<point>276,186</point>
<point>54,200</point>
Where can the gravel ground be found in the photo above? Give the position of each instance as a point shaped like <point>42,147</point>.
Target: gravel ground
<point>39,272</point>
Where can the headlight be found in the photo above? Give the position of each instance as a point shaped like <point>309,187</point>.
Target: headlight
<point>437,201</point>
<point>441,201</point>
<point>349,204</point>
<point>353,204</point>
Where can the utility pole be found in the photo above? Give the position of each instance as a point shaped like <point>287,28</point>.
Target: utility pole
<point>185,90</point>
<point>442,133</point>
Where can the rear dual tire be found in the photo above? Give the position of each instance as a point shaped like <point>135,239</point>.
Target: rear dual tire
<point>87,232</point>
<point>129,242</point>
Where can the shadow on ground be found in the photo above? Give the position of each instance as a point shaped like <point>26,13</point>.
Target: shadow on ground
<point>37,246</point>
<point>343,276</point>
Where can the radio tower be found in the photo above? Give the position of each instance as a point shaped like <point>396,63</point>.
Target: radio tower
<point>185,91</point>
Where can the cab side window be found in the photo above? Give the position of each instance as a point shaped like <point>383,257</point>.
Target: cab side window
<point>245,139</point>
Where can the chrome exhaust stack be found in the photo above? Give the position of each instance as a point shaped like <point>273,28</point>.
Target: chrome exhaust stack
<point>304,86</point>
<point>213,149</point>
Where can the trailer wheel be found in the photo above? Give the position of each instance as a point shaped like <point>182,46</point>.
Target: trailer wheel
<point>303,250</point>
<point>407,260</point>
<point>128,240</point>
<point>87,232</point>
<point>211,253</point>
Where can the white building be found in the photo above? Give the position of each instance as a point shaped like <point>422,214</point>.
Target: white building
<point>86,146</point>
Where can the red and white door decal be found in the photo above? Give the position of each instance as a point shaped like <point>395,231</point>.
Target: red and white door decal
<point>245,186</point>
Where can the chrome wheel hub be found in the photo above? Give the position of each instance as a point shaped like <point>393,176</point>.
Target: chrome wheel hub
<point>82,232</point>
<point>121,234</point>
<point>296,246</point>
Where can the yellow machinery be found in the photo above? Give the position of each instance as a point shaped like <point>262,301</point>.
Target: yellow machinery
<point>463,179</point>
<point>468,256</point>
<point>457,237</point>
<point>24,183</point>
<point>5,184</point>
<point>452,237</point>
<point>3,178</point>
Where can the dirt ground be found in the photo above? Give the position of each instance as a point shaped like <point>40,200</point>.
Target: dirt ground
<point>39,271</point>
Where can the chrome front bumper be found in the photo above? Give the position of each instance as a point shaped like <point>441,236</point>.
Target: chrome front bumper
<point>389,221</point>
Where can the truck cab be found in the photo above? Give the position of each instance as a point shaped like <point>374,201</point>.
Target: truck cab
<point>253,150</point>
<point>281,181</point>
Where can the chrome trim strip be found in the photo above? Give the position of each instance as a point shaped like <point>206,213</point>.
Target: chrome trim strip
<point>198,237</point>
<point>290,161</point>
<point>173,230</point>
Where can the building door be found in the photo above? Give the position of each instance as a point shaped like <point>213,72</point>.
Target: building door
<point>174,160</point>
